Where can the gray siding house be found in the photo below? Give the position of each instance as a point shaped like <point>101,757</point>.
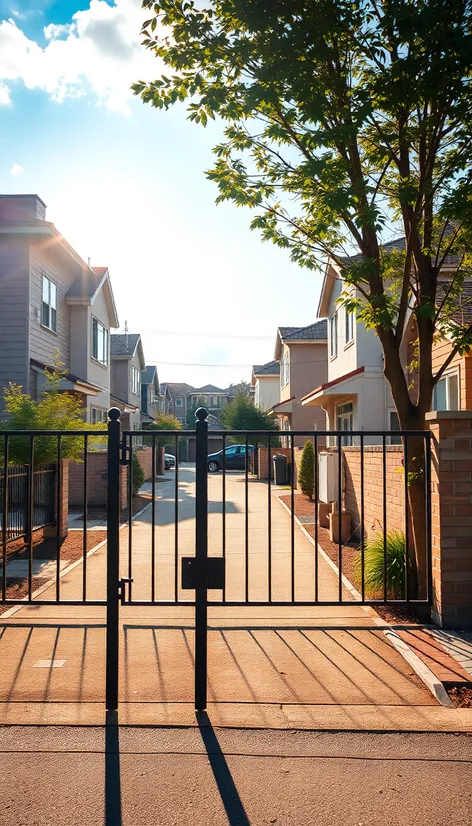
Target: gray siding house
<point>150,395</point>
<point>127,365</point>
<point>52,302</point>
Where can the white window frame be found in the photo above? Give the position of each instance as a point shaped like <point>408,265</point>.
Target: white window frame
<point>450,374</point>
<point>179,402</point>
<point>333,335</point>
<point>285,370</point>
<point>345,416</point>
<point>98,415</point>
<point>135,383</point>
<point>349,328</point>
<point>100,358</point>
<point>49,304</point>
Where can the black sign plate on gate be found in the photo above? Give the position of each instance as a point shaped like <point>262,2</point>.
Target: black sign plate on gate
<point>215,572</point>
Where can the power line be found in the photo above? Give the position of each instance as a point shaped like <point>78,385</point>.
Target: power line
<point>207,335</point>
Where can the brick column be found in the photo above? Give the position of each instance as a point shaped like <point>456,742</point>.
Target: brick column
<point>452,517</point>
<point>51,530</point>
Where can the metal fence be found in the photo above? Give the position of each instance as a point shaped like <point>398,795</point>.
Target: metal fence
<point>18,515</point>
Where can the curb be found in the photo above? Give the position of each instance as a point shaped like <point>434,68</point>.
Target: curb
<point>432,683</point>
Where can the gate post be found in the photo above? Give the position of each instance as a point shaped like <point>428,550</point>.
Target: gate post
<point>113,557</point>
<point>201,554</point>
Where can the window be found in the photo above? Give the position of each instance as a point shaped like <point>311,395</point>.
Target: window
<point>333,336</point>
<point>232,451</point>
<point>284,370</point>
<point>179,402</point>
<point>98,415</point>
<point>344,420</point>
<point>153,397</point>
<point>99,342</point>
<point>446,393</point>
<point>349,327</point>
<point>394,425</point>
<point>181,419</point>
<point>49,305</point>
<point>134,380</point>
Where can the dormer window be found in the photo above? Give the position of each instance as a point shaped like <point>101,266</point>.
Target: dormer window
<point>99,342</point>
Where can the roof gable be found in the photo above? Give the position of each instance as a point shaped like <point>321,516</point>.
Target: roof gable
<point>271,368</point>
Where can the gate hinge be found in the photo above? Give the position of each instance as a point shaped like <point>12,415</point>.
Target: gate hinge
<point>122,588</point>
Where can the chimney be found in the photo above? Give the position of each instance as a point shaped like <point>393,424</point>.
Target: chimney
<point>21,208</point>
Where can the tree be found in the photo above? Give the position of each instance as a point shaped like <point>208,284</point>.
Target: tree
<point>306,474</point>
<point>242,387</point>
<point>242,414</point>
<point>163,421</point>
<point>347,123</point>
<point>56,410</point>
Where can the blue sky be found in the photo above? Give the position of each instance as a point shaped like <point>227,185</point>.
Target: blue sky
<point>125,184</point>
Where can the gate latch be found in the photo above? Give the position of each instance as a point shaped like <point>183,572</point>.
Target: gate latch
<point>215,566</point>
<point>122,588</point>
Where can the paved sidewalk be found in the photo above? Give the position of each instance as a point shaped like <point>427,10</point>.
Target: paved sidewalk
<point>212,777</point>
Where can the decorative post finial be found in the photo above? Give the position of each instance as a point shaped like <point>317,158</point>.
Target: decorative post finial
<point>114,414</point>
<point>201,414</point>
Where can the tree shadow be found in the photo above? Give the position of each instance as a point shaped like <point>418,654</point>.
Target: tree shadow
<point>229,794</point>
<point>112,771</point>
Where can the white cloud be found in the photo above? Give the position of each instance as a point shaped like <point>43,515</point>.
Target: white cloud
<point>5,98</point>
<point>98,52</point>
<point>16,170</point>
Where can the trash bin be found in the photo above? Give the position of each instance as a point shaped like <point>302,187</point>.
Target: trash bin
<point>280,469</point>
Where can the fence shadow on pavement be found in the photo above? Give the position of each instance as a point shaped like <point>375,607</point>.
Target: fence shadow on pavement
<point>229,794</point>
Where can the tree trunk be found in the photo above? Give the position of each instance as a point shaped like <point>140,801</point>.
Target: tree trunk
<point>416,517</point>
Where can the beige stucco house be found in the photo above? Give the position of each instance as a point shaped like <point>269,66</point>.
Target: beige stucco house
<point>302,353</point>
<point>52,302</point>
<point>266,382</point>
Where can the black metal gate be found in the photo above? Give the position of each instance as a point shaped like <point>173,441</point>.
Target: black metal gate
<point>212,574</point>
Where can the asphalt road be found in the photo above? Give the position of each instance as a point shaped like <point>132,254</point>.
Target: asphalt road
<point>190,777</point>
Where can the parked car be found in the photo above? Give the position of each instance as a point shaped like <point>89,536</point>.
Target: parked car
<point>169,461</point>
<point>235,458</point>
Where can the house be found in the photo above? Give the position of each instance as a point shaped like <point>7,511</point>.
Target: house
<point>179,401</point>
<point>211,397</point>
<point>52,303</point>
<point>302,354</point>
<point>266,381</point>
<point>150,395</point>
<point>356,395</point>
<point>127,365</point>
<point>165,397</point>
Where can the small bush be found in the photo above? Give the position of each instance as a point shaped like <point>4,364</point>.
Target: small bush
<point>306,475</point>
<point>374,565</point>
<point>138,475</point>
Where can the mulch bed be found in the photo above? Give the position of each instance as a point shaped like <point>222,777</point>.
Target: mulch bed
<point>71,548</point>
<point>139,502</point>
<point>18,588</point>
<point>461,697</point>
<point>350,553</point>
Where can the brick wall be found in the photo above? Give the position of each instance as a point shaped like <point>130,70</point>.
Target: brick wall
<point>144,455</point>
<point>264,459</point>
<point>373,487</point>
<point>96,482</point>
<point>451,502</point>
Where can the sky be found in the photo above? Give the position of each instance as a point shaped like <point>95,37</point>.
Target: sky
<point>125,185</point>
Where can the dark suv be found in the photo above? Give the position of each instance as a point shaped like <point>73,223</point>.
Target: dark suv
<point>235,458</point>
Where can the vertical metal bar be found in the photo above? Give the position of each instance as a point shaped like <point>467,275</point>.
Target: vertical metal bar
<point>429,549</point>
<point>113,556</point>
<point>130,515</point>
<point>176,523</point>
<point>246,523</point>
<point>269,516</point>
<point>84,529</point>
<point>58,518</point>
<point>153,519</point>
<point>362,521</point>
<point>224,511</point>
<point>30,515</point>
<point>201,543</point>
<point>317,484</point>
<point>340,509</point>
<point>292,526</point>
<point>384,508</point>
<point>407,527</point>
<point>5,515</point>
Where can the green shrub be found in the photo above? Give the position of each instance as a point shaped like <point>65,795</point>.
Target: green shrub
<point>374,565</point>
<point>306,475</point>
<point>138,475</point>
